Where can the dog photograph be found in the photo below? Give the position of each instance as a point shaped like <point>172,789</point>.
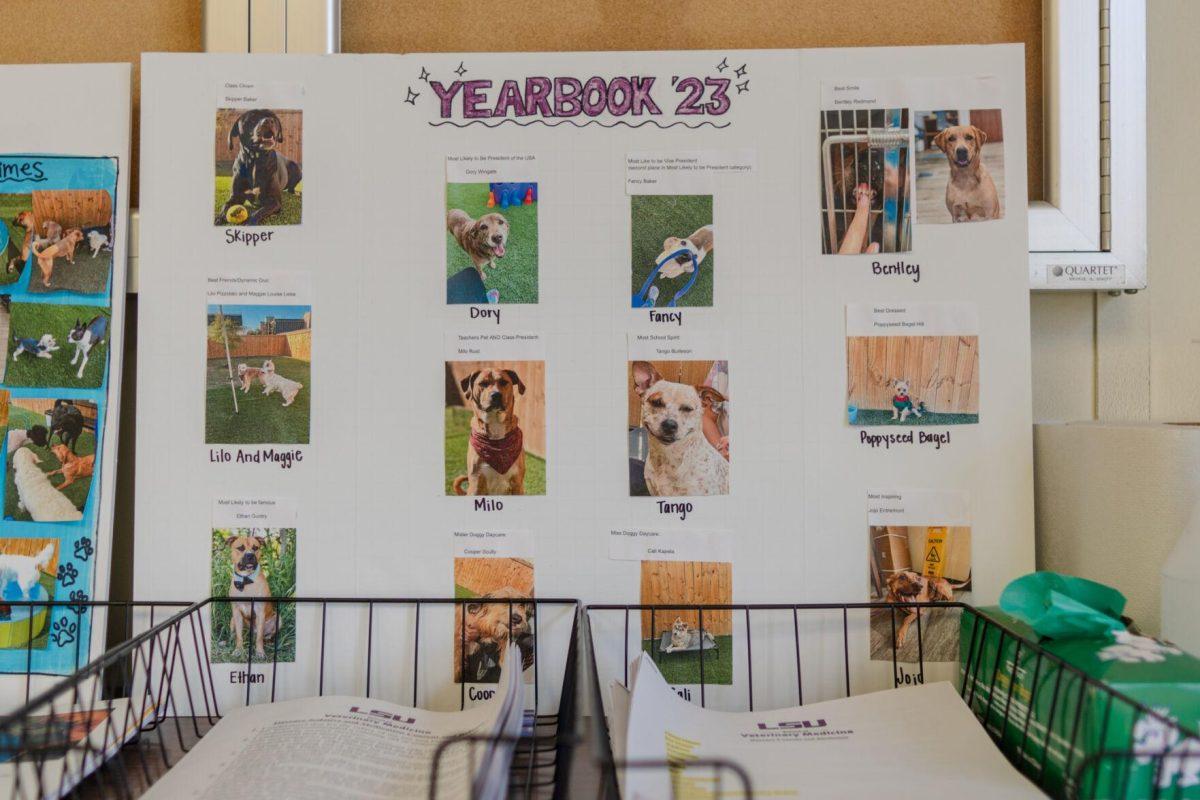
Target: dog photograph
<point>918,564</point>
<point>50,452</point>
<point>912,380</point>
<point>248,565</point>
<point>672,252</point>
<point>57,345</point>
<point>495,427</point>
<point>17,228</point>
<point>491,243</point>
<point>258,374</point>
<point>71,248</point>
<point>28,570</point>
<point>866,181</point>
<point>258,155</point>
<point>960,165</point>
<point>483,630</point>
<point>678,639</point>
<point>678,428</point>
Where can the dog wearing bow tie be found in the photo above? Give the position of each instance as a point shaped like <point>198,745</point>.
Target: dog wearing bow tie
<point>249,582</point>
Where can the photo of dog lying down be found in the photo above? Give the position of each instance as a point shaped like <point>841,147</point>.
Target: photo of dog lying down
<point>251,564</point>
<point>680,639</point>
<point>265,348</point>
<point>960,165</point>
<point>679,438</point>
<point>483,629</point>
<point>918,564</point>
<point>496,428</point>
<point>51,453</point>
<point>262,185</point>
<point>491,243</point>
<point>661,226</point>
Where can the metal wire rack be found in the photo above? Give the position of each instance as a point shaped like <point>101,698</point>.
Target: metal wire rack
<point>1139,768</point>
<point>119,723</point>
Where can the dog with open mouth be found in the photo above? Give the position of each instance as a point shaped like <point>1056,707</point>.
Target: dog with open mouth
<point>971,194</point>
<point>681,461</point>
<point>259,170</point>
<point>484,239</point>
<point>496,455</point>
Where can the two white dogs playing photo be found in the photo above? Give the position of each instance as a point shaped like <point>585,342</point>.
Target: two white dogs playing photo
<point>270,379</point>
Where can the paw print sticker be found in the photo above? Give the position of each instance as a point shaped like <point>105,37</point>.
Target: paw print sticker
<point>67,574</point>
<point>79,598</point>
<point>84,549</point>
<point>62,632</point>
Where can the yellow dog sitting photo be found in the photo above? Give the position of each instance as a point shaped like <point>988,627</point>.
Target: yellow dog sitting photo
<point>960,165</point>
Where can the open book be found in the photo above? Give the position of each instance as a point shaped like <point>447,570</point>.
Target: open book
<point>862,746</point>
<point>354,747</point>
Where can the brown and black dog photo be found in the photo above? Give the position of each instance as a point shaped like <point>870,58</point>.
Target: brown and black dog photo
<point>493,616</point>
<point>253,567</point>
<point>258,153</point>
<point>960,165</point>
<point>495,435</point>
<point>918,564</point>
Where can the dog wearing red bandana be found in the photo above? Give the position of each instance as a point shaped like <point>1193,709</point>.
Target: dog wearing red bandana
<point>496,457</point>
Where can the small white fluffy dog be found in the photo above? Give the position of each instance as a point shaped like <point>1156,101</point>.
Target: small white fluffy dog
<point>25,571</point>
<point>18,437</point>
<point>273,382</point>
<point>96,240</point>
<point>36,494</point>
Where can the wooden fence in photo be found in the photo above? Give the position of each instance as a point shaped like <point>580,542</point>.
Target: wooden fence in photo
<point>689,372</point>
<point>942,371</point>
<point>30,547</point>
<point>697,582</point>
<point>72,208</point>
<point>293,136</point>
<point>484,575</point>
<point>531,406</point>
<point>44,405</point>
<point>297,344</point>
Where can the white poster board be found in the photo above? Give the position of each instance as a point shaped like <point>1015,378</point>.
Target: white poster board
<point>64,186</point>
<point>601,168</point>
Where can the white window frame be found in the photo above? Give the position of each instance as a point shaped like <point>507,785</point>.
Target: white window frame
<point>1090,231</point>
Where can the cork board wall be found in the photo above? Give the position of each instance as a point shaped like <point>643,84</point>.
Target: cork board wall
<point>119,30</point>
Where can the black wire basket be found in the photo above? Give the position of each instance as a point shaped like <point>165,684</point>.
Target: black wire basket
<point>120,722</point>
<point>1137,769</point>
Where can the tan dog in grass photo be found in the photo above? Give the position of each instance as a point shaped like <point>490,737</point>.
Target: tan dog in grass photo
<point>971,194</point>
<point>249,582</point>
<point>483,239</point>
<point>72,467</point>
<point>63,248</point>
<point>482,632</point>
<point>699,244</point>
<point>496,454</point>
<point>248,375</point>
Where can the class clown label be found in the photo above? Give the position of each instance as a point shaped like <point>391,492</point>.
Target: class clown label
<point>567,97</point>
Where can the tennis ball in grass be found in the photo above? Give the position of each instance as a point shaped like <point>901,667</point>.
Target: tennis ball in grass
<point>237,215</point>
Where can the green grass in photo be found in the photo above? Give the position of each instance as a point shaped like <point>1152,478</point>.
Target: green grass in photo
<point>278,562</point>
<point>289,214</point>
<point>682,668</point>
<point>260,419</point>
<point>10,206</point>
<point>654,218</point>
<point>515,275</point>
<point>874,416</point>
<point>77,492</point>
<point>31,320</point>
<point>88,275</point>
<point>458,435</point>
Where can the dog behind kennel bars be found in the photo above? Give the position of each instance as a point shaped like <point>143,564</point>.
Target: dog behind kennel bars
<point>868,148</point>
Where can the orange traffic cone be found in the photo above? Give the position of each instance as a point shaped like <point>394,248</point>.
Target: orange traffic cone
<point>491,203</point>
<point>529,196</point>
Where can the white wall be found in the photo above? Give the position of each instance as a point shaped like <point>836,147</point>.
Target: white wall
<point>1129,358</point>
